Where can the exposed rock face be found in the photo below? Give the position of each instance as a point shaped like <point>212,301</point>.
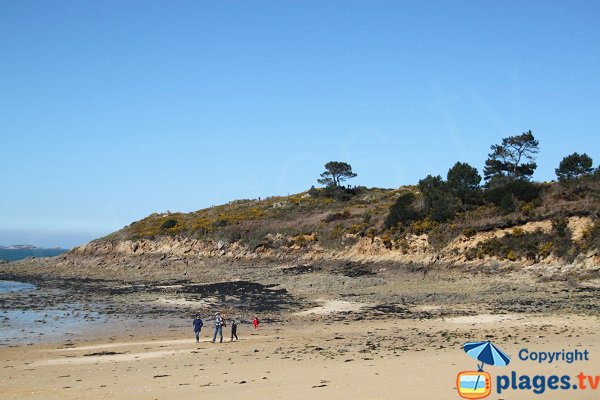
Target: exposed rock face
<point>414,249</point>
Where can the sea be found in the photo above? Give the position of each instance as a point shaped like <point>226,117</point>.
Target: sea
<point>15,254</point>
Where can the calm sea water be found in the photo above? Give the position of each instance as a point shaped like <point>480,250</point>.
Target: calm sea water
<point>20,254</point>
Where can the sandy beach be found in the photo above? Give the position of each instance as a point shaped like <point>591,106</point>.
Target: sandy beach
<point>297,359</point>
<point>383,333</point>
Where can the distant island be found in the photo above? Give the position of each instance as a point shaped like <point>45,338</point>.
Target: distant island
<point>22,251</point>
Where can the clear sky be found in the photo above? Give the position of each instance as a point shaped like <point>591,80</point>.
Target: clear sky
<point>112,110</point>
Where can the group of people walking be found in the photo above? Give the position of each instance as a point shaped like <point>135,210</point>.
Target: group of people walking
<point>220,323</point>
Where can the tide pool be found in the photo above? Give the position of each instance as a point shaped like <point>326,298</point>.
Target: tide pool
<point>12,286</point>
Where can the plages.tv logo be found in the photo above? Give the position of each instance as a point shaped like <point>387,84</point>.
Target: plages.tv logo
<point>478,384</point>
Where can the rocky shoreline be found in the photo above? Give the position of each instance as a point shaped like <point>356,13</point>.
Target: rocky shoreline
<point>163,286</point>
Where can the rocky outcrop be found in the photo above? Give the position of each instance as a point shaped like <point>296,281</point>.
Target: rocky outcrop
<point>414,249</point>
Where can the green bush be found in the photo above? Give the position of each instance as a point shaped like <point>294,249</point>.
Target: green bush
<point>220,223</point>
<point>523,245</point>
<point>337,216</point>
<point>313,192</point>
<point>508,203</point>
<point>591,237</point>
<point>440,203</point>
<point>337,193</point>
<point>444,208</point>
<point>168,224</point>
<point>504,193</point>
<point>403,211</point>
<point>560,226</point>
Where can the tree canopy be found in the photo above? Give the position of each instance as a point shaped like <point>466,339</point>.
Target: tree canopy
<point>335,173</point>
<point>513,159</point>
<point>463,180</point>
<point>574,166</point>
<point>439,202</point>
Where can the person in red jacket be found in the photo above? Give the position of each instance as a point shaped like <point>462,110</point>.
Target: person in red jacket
<point>255,322</point>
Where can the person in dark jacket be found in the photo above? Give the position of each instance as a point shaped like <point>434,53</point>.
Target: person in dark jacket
<point>198,327</point>
<point>233,330</point>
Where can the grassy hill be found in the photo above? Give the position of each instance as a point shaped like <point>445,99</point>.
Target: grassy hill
<point>249,221</point>
<point>559,222</point>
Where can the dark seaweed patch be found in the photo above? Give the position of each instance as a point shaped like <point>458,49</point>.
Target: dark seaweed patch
<point>244,295</point>
<point>354,270</point>
<point>300,269</point>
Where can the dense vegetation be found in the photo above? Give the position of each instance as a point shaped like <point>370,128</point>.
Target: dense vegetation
<point>336,215</point>
<point>460,205</point>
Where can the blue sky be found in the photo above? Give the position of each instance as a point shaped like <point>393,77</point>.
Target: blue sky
<point>112,110</point>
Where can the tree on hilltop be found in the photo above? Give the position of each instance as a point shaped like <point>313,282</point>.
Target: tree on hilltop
<point>573,167</point>
<point>513,159</point>
<point>335,173</point>
<point>463,180</point>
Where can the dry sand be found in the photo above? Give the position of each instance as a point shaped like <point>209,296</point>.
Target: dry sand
<point>384,359</point>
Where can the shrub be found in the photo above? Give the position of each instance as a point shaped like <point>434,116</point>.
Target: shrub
<point>337,216</point>
<point>387,241</point>
<point>357,228</point>
<point>332,239</point>
<point>302,240</point>
<point>522,190</point>
<point>403,211</point>
<point>591,237</point>
<point>367,217</point>
<point>444,208</point>
<point>313,192</point>
<point>469,232</point>
<point>337,193</point>
<point>371,233</point>
<point>508,203</point>
<point>442,234</point>
<point>424,226</point>
<point>520,244</point>
<point>546,249</point>
<point>518,231</point>
<point>168,224</point>
<point>527,209</point>
<point>220,223</point>
<point>440,204</point>
<point>232,234</point>
<point>404,246</point>
<point>560,226</point>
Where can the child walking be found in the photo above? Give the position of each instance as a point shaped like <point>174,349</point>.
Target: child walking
<point>233,330</point>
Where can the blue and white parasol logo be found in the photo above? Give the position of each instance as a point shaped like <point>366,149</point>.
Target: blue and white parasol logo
<point>486,353</point>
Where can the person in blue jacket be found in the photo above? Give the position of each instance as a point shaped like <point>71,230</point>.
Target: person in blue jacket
<point>198,327</point>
